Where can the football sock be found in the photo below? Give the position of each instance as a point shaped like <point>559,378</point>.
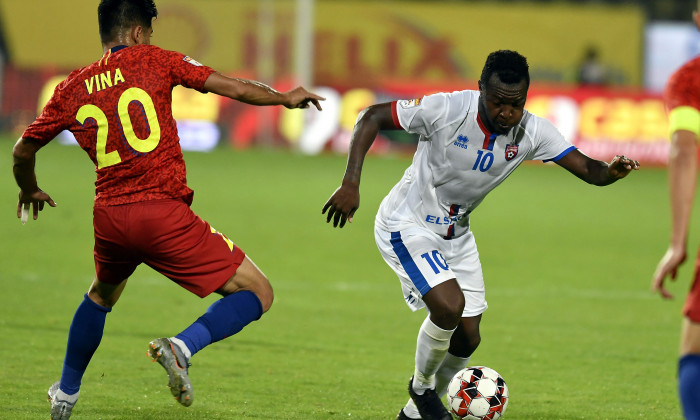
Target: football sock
<point>431,347</point>
<point>84,337</point>
<point>410,410</point>
<point>224,318</point>
<point>448,369</point>
<point>182,346</point>
<point>62,396</point>
<point>689,385</point>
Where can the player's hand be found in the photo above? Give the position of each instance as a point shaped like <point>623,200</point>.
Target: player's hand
<point>620,166</point>
<point>342,205</point>
<point>36,200</point>
<point>301,98</point>
<point>668,266</point>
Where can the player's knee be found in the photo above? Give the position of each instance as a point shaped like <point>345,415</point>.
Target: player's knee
<point>447,312</point>
<point>473,342</point>
<point>266,295</point>
<point>465,346</point>
<point>103,294</point>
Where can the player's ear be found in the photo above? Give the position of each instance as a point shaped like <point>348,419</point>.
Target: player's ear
<point>136,35</point>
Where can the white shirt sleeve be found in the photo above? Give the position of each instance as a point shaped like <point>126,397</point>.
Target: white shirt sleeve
<point>429,114</point>
<point>549,144</point>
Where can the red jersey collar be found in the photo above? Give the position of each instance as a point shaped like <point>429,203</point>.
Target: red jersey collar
<point>482,126</point>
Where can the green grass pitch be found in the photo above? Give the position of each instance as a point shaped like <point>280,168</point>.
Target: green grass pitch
<point>571,325</point>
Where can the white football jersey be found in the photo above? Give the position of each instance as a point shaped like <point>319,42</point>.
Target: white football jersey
<point>458,161</point>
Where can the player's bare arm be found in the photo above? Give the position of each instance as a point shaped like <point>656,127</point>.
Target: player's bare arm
<point>24,156</point>
<point>597,172</point>
<point>346,199</point>
<point>682,168</point>
<point>256,93</point>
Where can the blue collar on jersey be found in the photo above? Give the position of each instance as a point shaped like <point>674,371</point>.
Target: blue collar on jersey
<point>117,48</point>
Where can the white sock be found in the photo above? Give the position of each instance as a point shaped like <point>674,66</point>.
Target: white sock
<point>431,348</point>
<point>62,396</point>
<point>411,410</point>
<point>448,369</point>
<point>183,347</point>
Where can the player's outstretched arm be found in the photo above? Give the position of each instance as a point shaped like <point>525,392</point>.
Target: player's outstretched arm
<point>24,157</point>
<point>682,167</point>
<point>256,93</point>
<point>597,172</point>
<point>346,199</point>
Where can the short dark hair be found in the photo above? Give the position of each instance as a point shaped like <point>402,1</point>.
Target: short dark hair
<point>115,14</point>
<point>510,66</point>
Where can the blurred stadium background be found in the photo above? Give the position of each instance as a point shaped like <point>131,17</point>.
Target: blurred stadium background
<point>360,52</point>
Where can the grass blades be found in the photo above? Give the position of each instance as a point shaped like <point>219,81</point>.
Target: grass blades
<point>571,325</point>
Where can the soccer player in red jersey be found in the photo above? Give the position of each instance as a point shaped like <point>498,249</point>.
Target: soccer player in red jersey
<point>119,109</point>
<point>682,97</point>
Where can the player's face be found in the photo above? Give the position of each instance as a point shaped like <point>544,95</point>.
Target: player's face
<point>501,105</point>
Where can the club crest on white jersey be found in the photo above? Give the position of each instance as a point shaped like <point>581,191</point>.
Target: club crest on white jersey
<point>511,151</point>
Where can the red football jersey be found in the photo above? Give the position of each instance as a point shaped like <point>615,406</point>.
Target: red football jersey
<point>119,109</point>
<point>683,87</point>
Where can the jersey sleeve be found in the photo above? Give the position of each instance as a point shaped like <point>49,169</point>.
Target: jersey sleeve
<point>53,119</point>
<point>188,72</point>
<point>422,116</point>
<point>682,98</point>
<point>683,87</point>
<point>549,144</point>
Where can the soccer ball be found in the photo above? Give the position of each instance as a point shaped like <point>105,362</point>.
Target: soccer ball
<point>477,393</point>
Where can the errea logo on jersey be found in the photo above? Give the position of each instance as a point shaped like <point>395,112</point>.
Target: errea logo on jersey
<point>191,61</point>
<point>461,141</point>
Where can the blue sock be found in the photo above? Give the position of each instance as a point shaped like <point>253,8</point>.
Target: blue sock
<point>224,318</point>
<point>84,337</point>
<point>689,385</point>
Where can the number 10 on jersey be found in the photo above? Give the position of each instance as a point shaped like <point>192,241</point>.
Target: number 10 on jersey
<point>484,160</point>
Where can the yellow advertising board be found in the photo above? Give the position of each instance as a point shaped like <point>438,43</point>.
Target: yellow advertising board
<point>355,42</point>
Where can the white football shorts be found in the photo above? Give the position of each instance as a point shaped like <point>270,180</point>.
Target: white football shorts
<point>422,260</point>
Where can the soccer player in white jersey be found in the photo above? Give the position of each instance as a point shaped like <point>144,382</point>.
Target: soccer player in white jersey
<point>470,141</point>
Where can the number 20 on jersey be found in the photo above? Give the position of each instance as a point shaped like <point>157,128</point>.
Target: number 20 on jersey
<point>146,145</point>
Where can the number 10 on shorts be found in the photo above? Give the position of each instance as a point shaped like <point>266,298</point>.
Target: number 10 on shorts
<point>436,261</point>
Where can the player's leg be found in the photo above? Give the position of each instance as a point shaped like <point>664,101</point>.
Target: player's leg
<point>463,259</point>
<point>87,326</point>
<point>689,370</point>
<point>415,255</point>
<point>203,261</point>
<point>689,362</point>
<point>445,304</point>
<point>463,343</point>
<point>84,337</point>
<point>246,296</point>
